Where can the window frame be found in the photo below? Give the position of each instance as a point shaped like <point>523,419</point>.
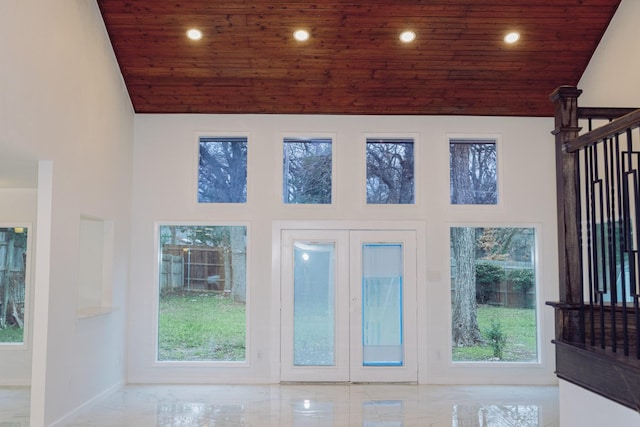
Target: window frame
<point>538,307</point>
<point>156,298</point>
<point>307,136</point>
<point>417,174</point>
<point>196,168</point>
<point>479,137</point>
<point>28,288</point>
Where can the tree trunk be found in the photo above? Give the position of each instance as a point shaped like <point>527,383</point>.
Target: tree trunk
<point>464,330</point>
<point>239,264</point>
<point>16,316</point>
<point>4,277</point>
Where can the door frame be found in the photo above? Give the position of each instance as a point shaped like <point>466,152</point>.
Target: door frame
<point>419,227</point>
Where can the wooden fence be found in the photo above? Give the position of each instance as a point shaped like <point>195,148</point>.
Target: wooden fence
<point>193,268</point>
<point>505,293</point>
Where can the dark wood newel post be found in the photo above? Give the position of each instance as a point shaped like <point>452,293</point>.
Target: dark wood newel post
<point>569,310</point>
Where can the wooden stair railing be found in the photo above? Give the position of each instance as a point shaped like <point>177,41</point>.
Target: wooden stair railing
<point>597,339</point>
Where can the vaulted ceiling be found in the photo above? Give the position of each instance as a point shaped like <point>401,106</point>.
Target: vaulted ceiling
<point>354,62</point>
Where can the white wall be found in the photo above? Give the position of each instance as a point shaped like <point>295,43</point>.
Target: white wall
<point>580,408</point>
<point>611,78</point>
<point>165,160</point>
<point>18,206</point>
<point>62,99</point>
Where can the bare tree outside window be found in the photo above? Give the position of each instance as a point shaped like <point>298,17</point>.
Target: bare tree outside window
<point>477,160</point>
<point>222,170</point>
<point>307,171</point>
<point>390,171</point>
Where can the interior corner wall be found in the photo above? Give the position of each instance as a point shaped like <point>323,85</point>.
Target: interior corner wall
<point>18,206</point>
<point>63,101</point>
<point>611,78</point>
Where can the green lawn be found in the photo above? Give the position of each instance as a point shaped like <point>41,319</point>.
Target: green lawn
<point>200,327</point>
<point>11,334</point>
<point>204,326</point>
<point>519,326</point>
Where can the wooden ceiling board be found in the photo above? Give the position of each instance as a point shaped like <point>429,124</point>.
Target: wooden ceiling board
<point>354,63</point>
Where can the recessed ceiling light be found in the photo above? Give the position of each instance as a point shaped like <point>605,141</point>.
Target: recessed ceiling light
<point>194,34</point>
<point>512,37</point>
<point>301,35</point>
<point>407,36</point>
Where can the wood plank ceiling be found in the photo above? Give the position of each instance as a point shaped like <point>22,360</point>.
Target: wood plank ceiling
<point>354,62</point>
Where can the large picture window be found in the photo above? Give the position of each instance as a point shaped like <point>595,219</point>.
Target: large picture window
<point>390,171</point>
<point>493,294</point>
<point>13,276</point>
<point>222,170</point>
<point>473,172</point>
<point>202,293</point>
<point>306,171</point>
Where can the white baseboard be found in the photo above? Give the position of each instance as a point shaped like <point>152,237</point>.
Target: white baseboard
<point>89,402</point>
<point>15,382</point>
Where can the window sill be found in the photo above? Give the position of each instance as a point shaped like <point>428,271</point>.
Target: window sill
<point>90,312</point>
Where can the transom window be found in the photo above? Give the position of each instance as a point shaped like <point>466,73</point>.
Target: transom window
<point>390,171</point>
<point>306,171</point>
<point>222,170</point>
<point>473,172</point>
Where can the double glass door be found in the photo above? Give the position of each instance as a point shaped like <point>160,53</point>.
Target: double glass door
<point>348,303</point>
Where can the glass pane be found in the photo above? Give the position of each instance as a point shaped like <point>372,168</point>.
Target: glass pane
<point>472,170</point>
<point>13,256</point>
<point>493,294</point>
<point>222,170</point>
<point>307,171</point>
<point>390,171</point>
<point>382,305</point>
<point>314,304</point>
<point>202,293</point>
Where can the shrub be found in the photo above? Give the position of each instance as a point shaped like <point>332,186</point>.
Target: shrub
<point>497,338</point>
<point>488,276</point>
<point>522,280</point>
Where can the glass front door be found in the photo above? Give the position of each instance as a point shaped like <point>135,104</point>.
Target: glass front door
<point>348,306</point>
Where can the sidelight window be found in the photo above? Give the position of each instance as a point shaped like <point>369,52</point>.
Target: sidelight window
<point>493,294</point>
<point>13,279</point>
<point>202,293</point>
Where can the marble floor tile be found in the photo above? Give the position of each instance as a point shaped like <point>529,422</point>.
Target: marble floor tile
<point>320,405</point>
<point>14,406</point>
<point>307,405</point>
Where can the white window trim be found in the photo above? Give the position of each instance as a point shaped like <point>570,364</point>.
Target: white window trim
<point>539,294</point>
<point>417,174</point>
<point>169,364</point>
<point>497,138</point>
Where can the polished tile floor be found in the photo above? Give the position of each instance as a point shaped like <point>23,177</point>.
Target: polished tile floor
<point>306,405</point>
